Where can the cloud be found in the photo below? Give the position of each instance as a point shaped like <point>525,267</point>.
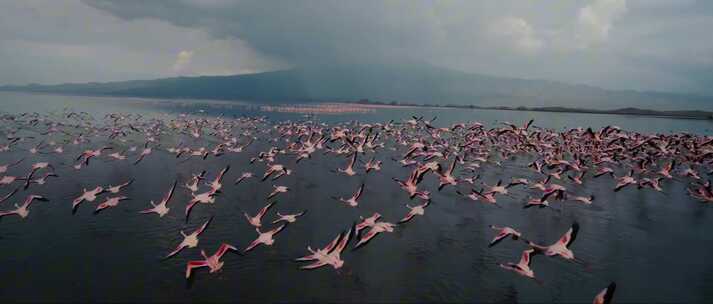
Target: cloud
<point>622,44</point>
<point>183,59</point>
<point>595,21</point>
<point>518,34</point>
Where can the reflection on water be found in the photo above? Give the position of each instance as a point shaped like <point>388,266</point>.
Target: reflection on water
<point>632,237</point>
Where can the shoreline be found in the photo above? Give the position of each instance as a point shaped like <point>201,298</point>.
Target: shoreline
<point>629,111</point>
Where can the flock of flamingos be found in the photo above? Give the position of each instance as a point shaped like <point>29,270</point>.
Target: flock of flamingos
<point>453,155</point>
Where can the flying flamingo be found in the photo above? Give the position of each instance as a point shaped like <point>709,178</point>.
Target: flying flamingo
<point>349,170</point>
<point>110,202</point>
<point>193,184</point>
<point>329,255</point>
<point>367,222</point>
<point>288,218</point>
<point>265,238</point>
<point>377,228</point>
<point>605,296</point>
<point>625,181</point>
<point>189,240</point>
<point>161,208</point>
<point>24,210</point>
<point>278,190</point>
<point>446,178</point>
<point>88,196</point>
<point>216,184</point>
<point>117,188</point>
<point>523,266</point>
<point>354,200</point>
<point>503,233</point>
<point>413,211</point>
<point>561,247</point>
<point>213,262</point>
<point>257,219</point>
<point>207,197</point>
<point>3,168</point>
<point>145,152</point>
<point>244,176</point>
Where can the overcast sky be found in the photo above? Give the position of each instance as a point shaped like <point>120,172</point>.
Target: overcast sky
<point>661,45</point>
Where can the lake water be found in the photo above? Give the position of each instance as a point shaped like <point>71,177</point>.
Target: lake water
<point>657,247</point>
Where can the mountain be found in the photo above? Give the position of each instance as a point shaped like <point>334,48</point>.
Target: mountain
<point>406,84</point>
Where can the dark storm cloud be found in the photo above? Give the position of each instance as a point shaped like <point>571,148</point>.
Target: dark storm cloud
<point>637,44</point>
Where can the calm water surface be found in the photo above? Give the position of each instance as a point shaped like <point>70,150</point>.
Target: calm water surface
<point>657,247</point>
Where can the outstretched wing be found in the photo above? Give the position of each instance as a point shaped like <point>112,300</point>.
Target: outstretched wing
<point>264,210</point>
<point>176,251</point>
<point>568,238</point>
<point>498,238</point>
<point>169,194</point>
<point>224,248</point>
<point>359,192</point>
<point>277,230</point>
<point>194,264</point>
<point>345,240</point>
<point>204,226</point>
<point>314,265</point>
<point>408,217</point>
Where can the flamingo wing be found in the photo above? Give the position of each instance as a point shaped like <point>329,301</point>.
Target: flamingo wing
<point>176,251</point>
<point>224,248</point>
<point>568,238</point>
<point>359,192</point>
<point>204,226</point>
<point>314,265</point>
<point>194,264</point>
<point>408,217</point>
<point>498,238</point>
<point>345,240</point>
<point>169,194</point>
<point>264,210</point>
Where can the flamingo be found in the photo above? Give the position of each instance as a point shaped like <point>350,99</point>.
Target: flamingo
<point>145,152</point>
<point>244,176</point>
<point>110,202</point>
<point>3,168</point>
<point>207,197</point>
<point>117,188</point>
<point>161,208</point>
<point>561,247</point>
<point>189,240</point>
<point>330,254</point>
<point>605,296</point>
<point>288,218</point>
<point>193,184</point>
<point>213,262</point>
<point>278,190</point>
<point>216,184</point>
<point>349,170</point>
<point>23,210</point>
<point>413,211</point>
<point>446,178</point>
<point>354,200</point>
<point>266,238</point>
<point>625,181</point>
<point>503,232</point>
<point>377,228</point>
<point>87,195</point>
<point>257,219</point>
<point>587,200</point>
<point>367,222</point>
<point>523,266</point>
